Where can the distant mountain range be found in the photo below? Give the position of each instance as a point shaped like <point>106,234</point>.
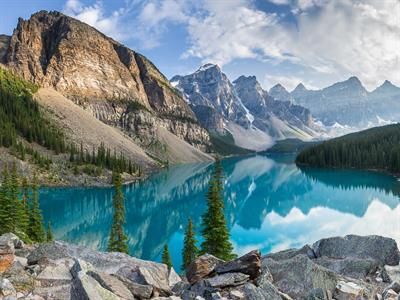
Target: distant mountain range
<point>347,103</point>
<point>242,108</point>
<point>255,118</point>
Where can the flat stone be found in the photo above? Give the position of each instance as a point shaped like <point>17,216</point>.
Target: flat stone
<point>249,264</point>
<point>382,249</point>
<point>58,292</point>
<point>140,291</point>
<point>112,284</point>
<point>227,280</point>
<point>6,288</point>
<point>56,273</point>
<point>201,267</point>
<point>348,290</point>
<point>86,287</point>
<point>156,277</point>
<point>290,253</point>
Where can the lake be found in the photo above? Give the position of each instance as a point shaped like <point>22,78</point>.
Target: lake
<point>270,205</point>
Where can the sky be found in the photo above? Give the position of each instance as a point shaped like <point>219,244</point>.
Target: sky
<point>316,42</point>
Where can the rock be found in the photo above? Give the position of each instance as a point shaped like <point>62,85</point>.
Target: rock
<point>112,284</point>
<point>59,271</point>
<point>249,264</point>
<point>265,276</point>
<point>201,267</point>
<point>290,253</point>
<point>348,266</point>
<point>180,287</point>
<point>157,278</point>
<point>391,295</point>
<point>19,277</point>
<point>348,290</point>
<point>6,262</point>
<point>6,288</point>
<point>227,280</point>
<point>138,290</point>
<point>58,292</point>
<point>168,298</point>
<point>393,272</point>
<point>86,287</point>
<point>394,286</point>
<point>384,250</point>
<point>297,276</point>
<point>317,294</point>
<point>18,244</point>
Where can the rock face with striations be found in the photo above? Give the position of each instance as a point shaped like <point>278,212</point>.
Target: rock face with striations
<point>117,85</point>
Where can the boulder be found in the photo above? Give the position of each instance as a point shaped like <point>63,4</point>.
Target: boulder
<point>299,275</point>
<point>19,277</point>
<point>201,267</point>
<point>290,253</point>
<point>394,286</point>
<point>6,288</point>
<point>393,272</point>
<point>391,295</point>
<point>86,287</point>
<point>348,266</point>
<point>18,244</point>
<point>249,264</point>
<point>348,291</point>
<point>64,292</point>
<point>6,261</point>
<point>138,290</point>
<point>59,271</point>
<point>157,278</point>
<point>227,280</point>
<point>384,250</point>
<point>112,284</point>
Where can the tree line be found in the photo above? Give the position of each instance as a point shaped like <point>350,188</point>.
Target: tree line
<point>375,148</point>
<point>20,115</point>
<point>19,208</point>
<point>215,233</point>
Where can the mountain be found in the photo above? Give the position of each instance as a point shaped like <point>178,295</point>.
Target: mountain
<point>279,93</point>
<point>242,108</point>
<point>348,103</point>
<point>377,148</point>
<point>115,84</point>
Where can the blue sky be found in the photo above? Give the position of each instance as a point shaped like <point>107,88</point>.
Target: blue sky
<point>317,42</point>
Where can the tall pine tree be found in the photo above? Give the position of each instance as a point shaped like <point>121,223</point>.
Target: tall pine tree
<point>190,250</point>
<point>49,233</point>
<point>215,231</point>
<point>166,257</point>
<point>118,239</point>
<point>6,217</point>
<point>36,229</point>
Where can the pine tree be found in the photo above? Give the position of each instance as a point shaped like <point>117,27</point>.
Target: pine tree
<point>6,217</point>
<point>14,201</point>
<point>24,207</point>
<point>190,250</point>
<point>36,230</point>
<point>215,231</point>
<point>118,239</point>
<point>166,258</point>
<point>49,236</point>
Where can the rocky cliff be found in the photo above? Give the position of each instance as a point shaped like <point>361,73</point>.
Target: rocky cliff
<point>352,267</point>
<point>117,85</point>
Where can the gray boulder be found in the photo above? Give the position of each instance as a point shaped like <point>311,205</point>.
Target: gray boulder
<point>297,276</point>
<point>112,284</point>
<point>384,250</point>
<point>227,280</point>
<point>6,288</point>
<point>249,264</point>
<point>140,291</point>
<point>290,253</point>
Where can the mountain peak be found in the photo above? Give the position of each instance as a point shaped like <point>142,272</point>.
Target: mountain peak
<point>208,66</point>
<point>245,80</point>
<point>387,87</point>
<point>300,88</point>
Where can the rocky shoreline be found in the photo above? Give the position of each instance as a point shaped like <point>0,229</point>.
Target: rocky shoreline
<point>351,267</point>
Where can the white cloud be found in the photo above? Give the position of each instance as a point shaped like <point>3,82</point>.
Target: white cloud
<point>340,37</point>
<point>95,16</point>
<point>280,2</point>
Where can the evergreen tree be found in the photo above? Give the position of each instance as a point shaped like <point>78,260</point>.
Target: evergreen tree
<point>6,218</point>
<point>118,239</point>
<point>190,250</point>
<point>14,201</point>
<point>24,207</point>
<point>36,229</point>
<point>49,236</point>
<point>215,231</point>
<point>166,258</point>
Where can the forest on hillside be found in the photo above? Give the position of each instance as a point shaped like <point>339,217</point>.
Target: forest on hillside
<point>376,148</point>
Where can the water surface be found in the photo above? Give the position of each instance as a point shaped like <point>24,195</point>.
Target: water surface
<point>270,205</point>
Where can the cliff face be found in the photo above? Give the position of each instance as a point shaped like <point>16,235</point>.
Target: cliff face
<point>108,79</point>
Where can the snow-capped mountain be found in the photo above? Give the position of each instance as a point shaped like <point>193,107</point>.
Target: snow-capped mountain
<point>349,104</point>
<point>242,108</point>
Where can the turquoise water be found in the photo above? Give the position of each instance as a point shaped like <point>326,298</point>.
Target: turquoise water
<point>270,205</point>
